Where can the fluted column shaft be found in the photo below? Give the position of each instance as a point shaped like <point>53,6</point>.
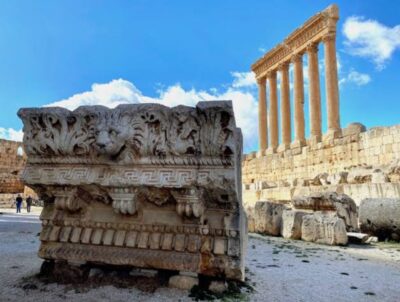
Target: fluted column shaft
<point>314,92</point>
<point>273,110</point>
<point>262,114</point>
<point>331,83</point>
<point>298,99</point>
<point>285,105</point>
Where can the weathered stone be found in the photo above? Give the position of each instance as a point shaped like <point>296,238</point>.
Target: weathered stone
<point>359,175</point>
<point>337,178</point>
<point>354,129</point>
<point>218,286</point>
<point>141,185</point>
<point>324,228</point>
<point>378,176</point>
<point>251,224</point>
<point>342,204</point>
<point>183,282</point>
<point>291,223</point>
<point>268,217</point>
<point>380,217</point>
<point>394,173</point>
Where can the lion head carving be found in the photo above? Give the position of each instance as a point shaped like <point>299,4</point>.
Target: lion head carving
<point>116,132</point>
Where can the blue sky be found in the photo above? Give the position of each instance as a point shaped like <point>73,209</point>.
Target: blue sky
<point>185,51</point>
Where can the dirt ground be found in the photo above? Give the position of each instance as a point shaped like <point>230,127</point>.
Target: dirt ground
<point>278,270</point>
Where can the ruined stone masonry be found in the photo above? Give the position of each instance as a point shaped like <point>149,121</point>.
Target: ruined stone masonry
<point>321,28</point>
<point>359,163</point>
<point>141,185</point>
<point>11,164</point>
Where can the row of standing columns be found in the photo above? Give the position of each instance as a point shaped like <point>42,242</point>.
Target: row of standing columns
<point>332,99</point>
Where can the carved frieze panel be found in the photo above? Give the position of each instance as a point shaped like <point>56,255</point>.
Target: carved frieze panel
<point>139,184</point>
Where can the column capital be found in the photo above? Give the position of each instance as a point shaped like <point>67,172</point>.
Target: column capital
<point>271,74</point>
<point>261,80</point>
<point>329,37</point>
<point>312,47</point>
<point>283,66</point>
<point>297,57</point>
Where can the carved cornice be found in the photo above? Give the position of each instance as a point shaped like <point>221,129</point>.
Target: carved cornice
<point>313,30</point>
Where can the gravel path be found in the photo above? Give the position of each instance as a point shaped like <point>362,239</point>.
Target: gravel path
<point>278,269</point>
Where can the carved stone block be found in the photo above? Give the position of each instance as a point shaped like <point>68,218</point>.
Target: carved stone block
<point>142,185</point>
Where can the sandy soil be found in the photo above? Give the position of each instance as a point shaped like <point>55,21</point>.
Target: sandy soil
<point>278,269</point>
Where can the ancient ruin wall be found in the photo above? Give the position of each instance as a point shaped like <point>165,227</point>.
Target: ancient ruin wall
<point>11,163</point>
<point>360,164</point>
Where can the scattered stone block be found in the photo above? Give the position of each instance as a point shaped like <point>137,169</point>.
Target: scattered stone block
<point>291,223</point>
<point>342,204</point>
<point>380,217</point>
<point>268,218</point>
<point>325,228</point>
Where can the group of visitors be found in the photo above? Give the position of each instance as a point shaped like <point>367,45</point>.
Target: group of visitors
<point>18,203</point>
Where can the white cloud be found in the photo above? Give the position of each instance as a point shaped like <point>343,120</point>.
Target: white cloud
<point>11,134</point>
<point>121,91</point>
<point>243,79</point>
<point>356,78</point>
<point>109,94</point>
<point>371,39</point>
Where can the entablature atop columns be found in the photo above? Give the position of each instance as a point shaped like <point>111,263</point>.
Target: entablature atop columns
<point>319,27</point>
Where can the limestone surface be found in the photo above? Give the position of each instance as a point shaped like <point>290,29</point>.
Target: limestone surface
<point>268,218</point>
<point>380,217</point>
<point>141,185</point>
<point>291,223</point>
<point>342,204</point>
<point>324,228</point>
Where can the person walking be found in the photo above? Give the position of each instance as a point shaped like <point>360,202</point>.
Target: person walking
<point>18,202</point>
<point>28,204</point>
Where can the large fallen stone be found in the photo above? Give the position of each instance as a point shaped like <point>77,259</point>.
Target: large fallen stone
<point>324,228</point>
<point>291,223</point>
<point>250,219</point>
<point>380,217</point>
<point>342,204</point>
<point>268,217</point>
<point>139,185</point>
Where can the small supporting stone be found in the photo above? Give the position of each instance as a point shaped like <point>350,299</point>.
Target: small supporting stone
<point>183,281</point>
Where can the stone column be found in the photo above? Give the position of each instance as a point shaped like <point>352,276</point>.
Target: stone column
<point>285,107</point>
<point>273,110</point>
<point>314,93</point>
<point>331,84</point>
<point>298,101</point>
<point>262,114</point>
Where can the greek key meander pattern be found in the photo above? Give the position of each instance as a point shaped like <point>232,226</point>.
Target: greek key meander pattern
<point>161,177</point>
